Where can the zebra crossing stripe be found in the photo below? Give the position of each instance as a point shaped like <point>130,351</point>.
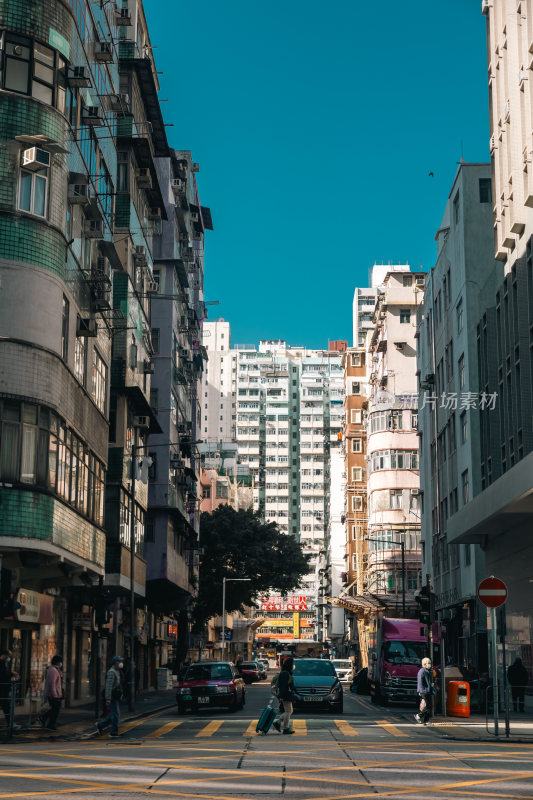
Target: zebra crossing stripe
<point>210,728</point>
<point>392,729</point>
<point>251,729</point>
<point>345,728</point>
<point>164,729</point>
<point>299,727</point>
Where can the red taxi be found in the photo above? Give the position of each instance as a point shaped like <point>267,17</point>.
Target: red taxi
<point>211,684</point>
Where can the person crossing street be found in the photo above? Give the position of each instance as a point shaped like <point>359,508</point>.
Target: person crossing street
<point>285,694</point>
<point>426,690</point>
<point>113,696</point>
<point>53,692</point>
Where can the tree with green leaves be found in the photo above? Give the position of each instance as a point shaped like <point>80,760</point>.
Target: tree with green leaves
<point>237,544</point>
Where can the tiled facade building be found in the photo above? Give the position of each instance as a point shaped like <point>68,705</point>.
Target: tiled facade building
<point>82,203</point>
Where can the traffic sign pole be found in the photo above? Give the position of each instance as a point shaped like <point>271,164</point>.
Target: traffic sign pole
<point>492,592</point>
<point>494,658</point>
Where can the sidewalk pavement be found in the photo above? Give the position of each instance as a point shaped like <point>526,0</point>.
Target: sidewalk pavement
<point>474,728</point>
<point>80,720</point>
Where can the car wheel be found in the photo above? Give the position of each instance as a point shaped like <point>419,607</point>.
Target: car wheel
<point>234,705</point>
<point>339,708</point>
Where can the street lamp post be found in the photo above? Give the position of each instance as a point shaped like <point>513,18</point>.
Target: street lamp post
<point>224,580</point>
<point>401,543</point>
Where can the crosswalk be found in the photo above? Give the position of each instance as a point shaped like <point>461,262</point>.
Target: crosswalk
<point>151,728</point>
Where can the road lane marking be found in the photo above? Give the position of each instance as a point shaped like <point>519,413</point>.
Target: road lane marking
<point>390,728</point>
<point>345,728</point>
<point>300,727</point>
<point>251,729</point>
<point>211,728</point>
<point>128,726</point>
<point>169,726</point>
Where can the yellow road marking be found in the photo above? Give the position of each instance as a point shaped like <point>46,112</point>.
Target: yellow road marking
<point>128,726</point>
<point>164,729</point>
<point>392,729</point>
<point>345,728</point>
<point>300,727</point>
<point>250,730</point>
<point>211,728</point>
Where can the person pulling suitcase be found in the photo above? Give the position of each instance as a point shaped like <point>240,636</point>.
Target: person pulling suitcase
<point>285,694</point>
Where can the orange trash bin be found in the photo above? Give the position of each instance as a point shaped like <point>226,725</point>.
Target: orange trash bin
<point>458,699</point>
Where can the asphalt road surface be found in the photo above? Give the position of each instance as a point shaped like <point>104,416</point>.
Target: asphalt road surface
<point>214,755</point>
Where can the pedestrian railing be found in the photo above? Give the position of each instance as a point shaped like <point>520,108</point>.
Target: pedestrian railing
<point>514,715</point>
<point>19,708</point>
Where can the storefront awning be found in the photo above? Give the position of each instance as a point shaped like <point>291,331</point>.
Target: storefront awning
<point>357,603</point>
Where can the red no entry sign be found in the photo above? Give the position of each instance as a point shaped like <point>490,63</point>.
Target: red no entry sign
<point>492,592</point>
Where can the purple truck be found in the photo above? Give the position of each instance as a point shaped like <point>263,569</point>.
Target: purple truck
<point>396,648</point>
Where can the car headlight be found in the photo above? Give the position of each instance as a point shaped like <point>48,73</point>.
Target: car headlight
<point>223,690</point>
<point>336,691</point>
<point>387,678</point>
<point>185,691</point>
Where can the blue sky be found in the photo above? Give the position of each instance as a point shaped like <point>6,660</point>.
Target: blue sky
<point>315,125</point>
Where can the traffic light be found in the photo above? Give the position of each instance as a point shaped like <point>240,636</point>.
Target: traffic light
<point>424,599</point>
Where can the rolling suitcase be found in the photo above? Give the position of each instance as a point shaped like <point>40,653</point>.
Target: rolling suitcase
<point>266,719</point>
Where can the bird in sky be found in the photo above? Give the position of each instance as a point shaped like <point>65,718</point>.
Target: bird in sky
<point>431,175</point>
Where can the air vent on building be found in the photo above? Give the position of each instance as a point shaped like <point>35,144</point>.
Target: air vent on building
<point>103,51</point>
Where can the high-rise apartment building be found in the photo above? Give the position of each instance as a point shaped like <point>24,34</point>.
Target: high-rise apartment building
<point>393,479</point>
<point>218,387</point>
<point>458,290</point>
<point>179,357</point>
<point>499,516</point>
<point>364,301</point>
<point>289,414</point>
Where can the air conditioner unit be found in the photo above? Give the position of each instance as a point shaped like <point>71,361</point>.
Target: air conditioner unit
<point>148,367</point>
<point>141,422</point>
<point>78,77</point>
<point>86,327</point>
<point>78,193</point>
<point>103,51</point>
<point>194,216</point>
<point>35,159</point>
<point>176,462</point>
<point>93,228</point>
<point>187,254</point>
<point>139,256</point>
<point>195,166</point>
<point>102,265</point>
<point>415,491</point>
<point>178,186</point>
<point>122,17</point>
<point>154,213</point>
<point>144,178</point>
<point>91,115</point>
<point>152,287</point>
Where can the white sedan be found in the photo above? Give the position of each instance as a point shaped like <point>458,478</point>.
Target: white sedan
<point>343,668</point>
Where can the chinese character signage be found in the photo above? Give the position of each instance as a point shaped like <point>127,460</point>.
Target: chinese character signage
<point>296,625</point>
<point>288,603</point>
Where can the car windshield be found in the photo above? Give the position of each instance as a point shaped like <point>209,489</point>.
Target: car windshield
<point>207,672</point>
<point>249,665</point>
<point>307,666</point>
<point>338,664</point>
<point>404,652</point>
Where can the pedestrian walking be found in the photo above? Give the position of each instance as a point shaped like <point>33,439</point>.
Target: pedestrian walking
<point>285,694</point>
<point>113,696</point>
<point>7,678</point>
<point>426,690</point>
<point>518,678</point>
<point>53,693</point>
